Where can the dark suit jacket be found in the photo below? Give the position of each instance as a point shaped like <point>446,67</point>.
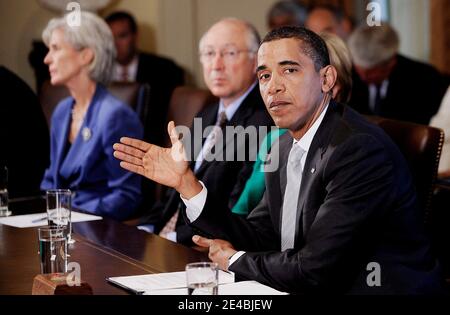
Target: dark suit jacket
<point>358,206</point>
<point>24,136</point>
<point>226,179</point>
<point>414,93</point>
<point>163,75</point>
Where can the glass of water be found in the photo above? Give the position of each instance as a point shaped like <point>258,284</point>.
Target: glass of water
<point>53,249</point>
<point>59,203</point>
<point>4,210</point>
<point>202,278</point>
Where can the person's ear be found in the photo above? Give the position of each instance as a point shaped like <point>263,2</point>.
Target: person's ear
<point>87,56</point>
<point>328,76</point>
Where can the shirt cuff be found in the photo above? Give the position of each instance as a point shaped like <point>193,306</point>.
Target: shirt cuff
<point>194,206</point>
<point>235,257</point>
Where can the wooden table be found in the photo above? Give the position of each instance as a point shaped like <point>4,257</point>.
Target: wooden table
<point>104,248</point>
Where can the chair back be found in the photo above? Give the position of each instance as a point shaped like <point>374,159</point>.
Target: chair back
<point>186,102</point>
<point>136,95</point>
<point>421,146</point>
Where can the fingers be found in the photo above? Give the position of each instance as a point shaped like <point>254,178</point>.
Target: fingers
<point>138,144</point>
<point>133,168</point>
<point>129,150</point>
<point>127,158</point>
<point>202,241</point>
<point>174,137</point>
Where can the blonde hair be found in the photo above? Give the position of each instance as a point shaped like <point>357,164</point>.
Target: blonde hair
<point>92,33</point>
<point>341,59</point>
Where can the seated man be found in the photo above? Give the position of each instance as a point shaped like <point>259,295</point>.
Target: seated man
<point>22,122</point>
<point>388,84</point>
<point>339,215</point>
<point>228,57</point>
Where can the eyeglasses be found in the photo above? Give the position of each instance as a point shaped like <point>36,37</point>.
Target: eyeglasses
<point>228,55</point>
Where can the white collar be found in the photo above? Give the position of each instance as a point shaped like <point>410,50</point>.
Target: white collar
<point>306,140</point>
<point>231,109</point>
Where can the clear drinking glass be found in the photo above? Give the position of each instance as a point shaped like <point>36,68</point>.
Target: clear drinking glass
<point>59,212</point>
<point>4,210</point>
<point>202,278</point>
<point>53,249</point>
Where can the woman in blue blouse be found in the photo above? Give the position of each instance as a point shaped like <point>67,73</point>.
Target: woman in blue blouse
<point>85,125</point>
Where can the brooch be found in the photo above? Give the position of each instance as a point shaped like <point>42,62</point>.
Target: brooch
<point>86,133</point>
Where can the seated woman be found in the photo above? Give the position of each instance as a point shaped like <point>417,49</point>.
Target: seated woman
<point>85,126</point>
<point>254,188</point>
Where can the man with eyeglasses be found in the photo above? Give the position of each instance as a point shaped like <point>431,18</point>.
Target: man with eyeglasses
<point>227,53</point>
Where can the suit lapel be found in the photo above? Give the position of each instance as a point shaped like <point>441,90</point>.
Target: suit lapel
<point>239,118</point>
<point>313,161</point>
<point>77,152</point>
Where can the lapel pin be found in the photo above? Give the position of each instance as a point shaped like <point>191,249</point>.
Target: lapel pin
<point>86,133</point>
<point>313,170</point>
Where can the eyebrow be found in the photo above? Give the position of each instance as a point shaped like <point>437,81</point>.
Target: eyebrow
<point>288,63</point>
<point>281,63</point>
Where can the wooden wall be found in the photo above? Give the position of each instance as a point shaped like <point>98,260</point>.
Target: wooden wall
<point>440,38</point>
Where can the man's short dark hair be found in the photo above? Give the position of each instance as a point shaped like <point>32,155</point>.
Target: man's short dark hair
<point>312,44</point>
<point>120,16</point>
<point>337,12</point>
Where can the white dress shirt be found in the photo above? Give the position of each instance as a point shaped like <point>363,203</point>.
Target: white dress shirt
<point>194,206</point>
<point>131,70</point>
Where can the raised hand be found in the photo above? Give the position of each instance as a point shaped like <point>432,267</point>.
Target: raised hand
<point>166,166</point>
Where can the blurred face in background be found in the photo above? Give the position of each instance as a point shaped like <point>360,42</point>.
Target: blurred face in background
<point>65,63</point>
<point>228,63</point>
<point>322,20</point>
<point>377,74</point>
<point>125,41</point>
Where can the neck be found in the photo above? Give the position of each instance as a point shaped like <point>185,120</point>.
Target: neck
<point>298,134</point>
<point>82,90</point>
<point>229,100</point>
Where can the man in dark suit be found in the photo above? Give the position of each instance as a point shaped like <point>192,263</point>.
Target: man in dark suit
<point>132,65</point>
<point>22,121</point>
<point>388,84</point>
<point>228,57</point>
<point>340,214</point>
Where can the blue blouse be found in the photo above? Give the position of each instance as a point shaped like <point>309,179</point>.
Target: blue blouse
<point>87,166</point>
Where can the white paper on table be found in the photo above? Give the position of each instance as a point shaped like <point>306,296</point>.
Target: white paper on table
<point>236,288</point>
<point>40,219</point>
<point>162,281</point>
<point>248,288</point>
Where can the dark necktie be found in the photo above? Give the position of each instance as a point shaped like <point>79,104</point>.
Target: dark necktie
<point>378,100</point>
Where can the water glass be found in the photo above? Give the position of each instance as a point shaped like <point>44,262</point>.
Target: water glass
<point>59,210</point>
<point>202,278</point>
<point>53,249</point>
<point>4,210</point>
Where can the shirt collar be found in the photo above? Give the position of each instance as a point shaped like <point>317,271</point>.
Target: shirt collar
<point>231,109</point>
<point>306,140</point>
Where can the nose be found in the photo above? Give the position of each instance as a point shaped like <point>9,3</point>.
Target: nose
<point>47,59</point>
<point>275,85</point>
<point>217,62</point>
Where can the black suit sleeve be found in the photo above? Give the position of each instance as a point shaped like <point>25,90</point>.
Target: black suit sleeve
<point>358,181</point>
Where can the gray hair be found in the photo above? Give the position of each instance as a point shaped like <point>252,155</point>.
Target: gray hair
<point>253,38</point>
<point>371,46</point>
<point>92,33</point>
